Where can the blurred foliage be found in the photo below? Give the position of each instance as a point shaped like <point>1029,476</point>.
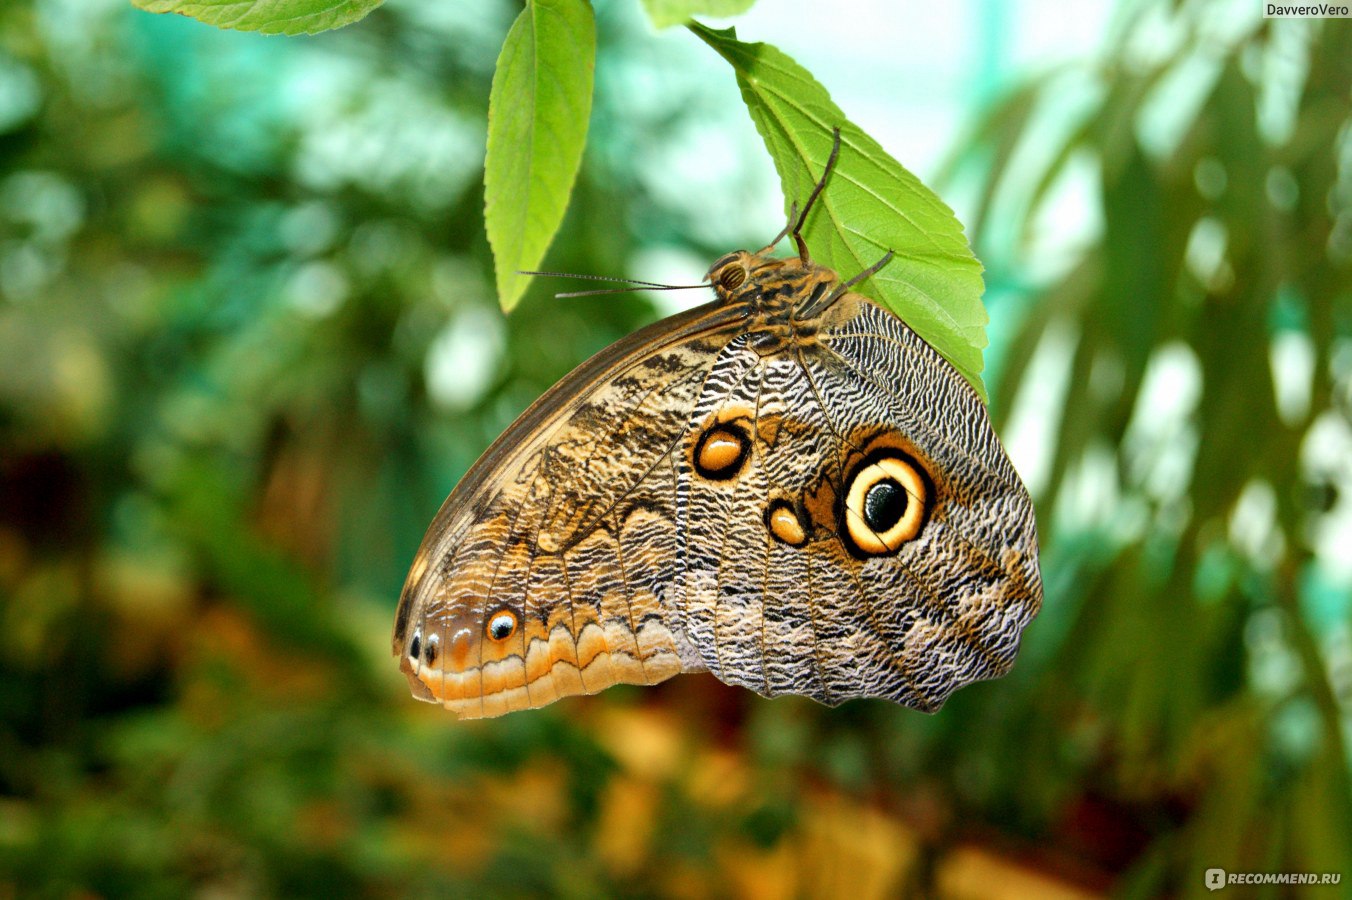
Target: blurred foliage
<point>1197,681</point>
<point>666,13</point>
<point>249,342</point>
<point>267,16</point>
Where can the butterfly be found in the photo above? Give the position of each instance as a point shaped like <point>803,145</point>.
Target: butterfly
<point>786,487</point>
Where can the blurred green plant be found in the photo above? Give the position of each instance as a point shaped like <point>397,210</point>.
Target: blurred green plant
<point>1190,357</point>
<point>268,16</point>
<point>250,340</point>
<point>666,13</point>
<point>537,127</point>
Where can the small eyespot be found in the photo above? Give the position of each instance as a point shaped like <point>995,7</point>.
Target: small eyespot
<point>415,646</point>
<point>721,451</point>
<point>502,625</point>
<point>783,523</point>
<point>432,648</point>
<point>732,278</point>
<point>887,500</point>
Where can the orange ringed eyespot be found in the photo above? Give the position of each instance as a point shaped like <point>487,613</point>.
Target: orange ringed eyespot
<point>502,625</point>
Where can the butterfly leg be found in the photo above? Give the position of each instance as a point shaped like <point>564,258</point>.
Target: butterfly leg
<point>812,198</point>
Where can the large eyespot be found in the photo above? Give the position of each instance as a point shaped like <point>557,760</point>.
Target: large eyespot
<point>720,451</point>
<point>415,646</point>
<point>502,625</point>
<point>887,501</point>
<point>732,278</point>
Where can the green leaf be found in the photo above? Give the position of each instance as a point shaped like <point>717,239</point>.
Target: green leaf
<point>537,126</point>
<point>267,16</point>
<point>870,205</point>
<point>665,13</point>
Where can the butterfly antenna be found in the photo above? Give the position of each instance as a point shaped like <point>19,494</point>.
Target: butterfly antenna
<point>625,290</point>
<point>816,192</point>
<point>630,284</point>
<point>630,281</point>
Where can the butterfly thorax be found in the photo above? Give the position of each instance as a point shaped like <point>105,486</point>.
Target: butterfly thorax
<point>783,298</point>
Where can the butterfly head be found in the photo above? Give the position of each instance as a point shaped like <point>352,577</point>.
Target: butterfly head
<point>769,285</point>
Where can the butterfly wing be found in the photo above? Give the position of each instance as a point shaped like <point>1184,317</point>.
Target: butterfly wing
<point>697,498</point>
<point>789,589</point>
<point>546,572</point>
<point>970,579</point>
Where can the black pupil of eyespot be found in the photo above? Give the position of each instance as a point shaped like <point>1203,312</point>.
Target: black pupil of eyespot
<point>501,628</point>
<point>415,647</point>
<point>884,505</point>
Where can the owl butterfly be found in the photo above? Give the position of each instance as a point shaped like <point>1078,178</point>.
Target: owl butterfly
<point>785,487</point>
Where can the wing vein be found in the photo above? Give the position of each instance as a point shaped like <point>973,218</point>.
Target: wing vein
<point>628,597</point>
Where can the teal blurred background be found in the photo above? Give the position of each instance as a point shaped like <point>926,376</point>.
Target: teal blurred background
<point>248,343</point>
